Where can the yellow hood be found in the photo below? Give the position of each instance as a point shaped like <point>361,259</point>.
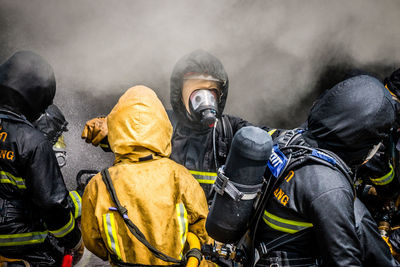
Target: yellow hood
<point>138,126</point>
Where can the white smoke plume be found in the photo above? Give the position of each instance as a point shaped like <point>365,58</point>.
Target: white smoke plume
<point>278,54</point>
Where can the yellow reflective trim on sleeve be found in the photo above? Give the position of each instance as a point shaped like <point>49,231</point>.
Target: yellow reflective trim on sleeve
<point>8,178</point>
<point>271,132</point>
<point>204,177</point>
<point>183,225</point>
<point>384,179</point>
<point>63,231</point>
<point>77,200</point>
<point>22,239</point>
<point>284,225</point>
<point>203,173</point>
<point>111,233</point>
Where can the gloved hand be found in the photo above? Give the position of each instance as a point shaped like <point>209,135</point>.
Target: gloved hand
<point>77,252</point>
<point>95,130</point>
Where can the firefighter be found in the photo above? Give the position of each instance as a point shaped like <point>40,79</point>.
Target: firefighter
<point>311,217</point>
<point>155,194</point>
<point>378,180</point>
<point>36,224</point>
<point>202,134</point>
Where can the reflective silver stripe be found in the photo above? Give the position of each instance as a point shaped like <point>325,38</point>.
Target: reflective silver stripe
<point>22,239</point>
<point>183,224</point>
<point>284,225</point>
<point>111,233</point>
<point>8,178</point>
<point>63,231</point>
<point>76,199</point>
<point>204,177</point>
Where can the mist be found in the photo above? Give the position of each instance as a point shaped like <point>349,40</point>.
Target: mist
<point>279,55</point>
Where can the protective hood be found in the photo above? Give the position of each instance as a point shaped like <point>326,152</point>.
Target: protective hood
<point>32,78</point>
<point>351,118</point>
<point>138,126</point>
<point>197,62</point>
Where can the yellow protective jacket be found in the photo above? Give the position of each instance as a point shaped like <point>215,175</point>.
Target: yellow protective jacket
<point>162,197</point>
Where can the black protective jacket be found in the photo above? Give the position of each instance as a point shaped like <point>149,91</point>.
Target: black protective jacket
<point>193,148</point>
<point>35,219</point>
<point>319,197</point>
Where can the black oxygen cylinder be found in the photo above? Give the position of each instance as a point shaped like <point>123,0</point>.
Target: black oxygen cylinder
<point>247,160</point>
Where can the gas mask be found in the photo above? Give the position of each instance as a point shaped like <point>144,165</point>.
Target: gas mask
<point>203,105</point>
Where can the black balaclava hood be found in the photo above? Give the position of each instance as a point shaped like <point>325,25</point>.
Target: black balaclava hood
<point>351,118</point>
<point>201,62</point>
<point>393,83</point>
<point>27,75</point>
<point>52,123</point>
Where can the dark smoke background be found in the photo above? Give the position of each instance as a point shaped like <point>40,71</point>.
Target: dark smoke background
<point>280,55</point>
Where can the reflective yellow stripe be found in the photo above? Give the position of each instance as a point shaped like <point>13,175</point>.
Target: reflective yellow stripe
<point>8,178</point>
<point>271,132</point>
<point>384,179</point>
<point>63,231</point>
<point>183,225</point>
<point>204,177</point>
<point>284,225</point>
<point>22,239</point>
<point>76,198</point>
<point>111,233</point>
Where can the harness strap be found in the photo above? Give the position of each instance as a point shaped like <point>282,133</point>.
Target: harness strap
<point>131,226</point>
<point>194,252</point>
<point>265,248</point>
<point>235,190</point>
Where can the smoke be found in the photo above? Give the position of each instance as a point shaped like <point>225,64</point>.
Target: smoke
<point>279,55</point>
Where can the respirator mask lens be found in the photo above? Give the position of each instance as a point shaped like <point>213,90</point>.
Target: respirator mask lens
<point>203,98</point>
<point>203,105</point>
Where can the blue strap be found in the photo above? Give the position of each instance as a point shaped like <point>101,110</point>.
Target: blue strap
<point>323,156</point>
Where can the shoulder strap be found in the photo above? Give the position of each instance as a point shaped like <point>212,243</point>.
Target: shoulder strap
<point>225,137</point>
<point>227,128</point>
<point>131,226</point>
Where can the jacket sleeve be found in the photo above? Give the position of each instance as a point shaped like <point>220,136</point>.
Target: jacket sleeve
<point>379,172</point>
<point>90,228</point>
<point>375,251</point>
<point>332,216</point>
<point>47,190</point>
<point>195,203</point>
